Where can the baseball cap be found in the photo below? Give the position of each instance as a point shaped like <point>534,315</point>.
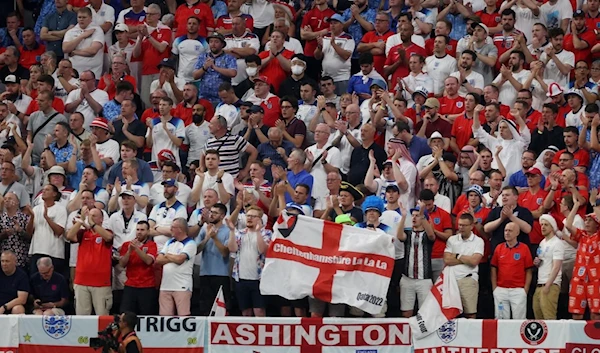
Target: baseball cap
<point>166,155</point>
<point>101,123</point>
<point>554,90</point>
<point>10,79</point>
<point>533,171</point>
<point>392,187</point>
<point>432,103</point>
<point>246,104</point>
<point>578,13</point>
<point>422,91</point>
<point>256,109</point>
<point>262,78</point>
<point>292,206</point>
<point>127,193</point>
<point>336,17</point>
<point>379,83</point>
<point>56,169</point>
<point>167,62</point>
<point>121,27</point>
<point>169,182</point>
<point>485,28</point>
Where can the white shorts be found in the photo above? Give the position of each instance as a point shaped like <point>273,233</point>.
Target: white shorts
<point>413,289</point>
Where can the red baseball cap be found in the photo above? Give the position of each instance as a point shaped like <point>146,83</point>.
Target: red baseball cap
<point>166,155</point>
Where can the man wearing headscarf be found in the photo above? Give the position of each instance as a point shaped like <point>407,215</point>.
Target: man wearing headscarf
<point>466,160</point>
<point>544,160</point>
<point>513,143</point>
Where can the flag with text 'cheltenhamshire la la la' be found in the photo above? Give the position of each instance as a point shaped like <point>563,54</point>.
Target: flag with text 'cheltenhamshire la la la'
<point>328,261</point>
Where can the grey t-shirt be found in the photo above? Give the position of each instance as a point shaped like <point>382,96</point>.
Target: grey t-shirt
<point>485,70</point>
<point>37,119</point>
<point>19,190</point>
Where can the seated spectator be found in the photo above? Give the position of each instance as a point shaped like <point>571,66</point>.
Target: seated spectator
<point>49,290</point>
<point>177,260</point>
<point>13,225</point>
<point>14,285</point>
<point>138,257</point>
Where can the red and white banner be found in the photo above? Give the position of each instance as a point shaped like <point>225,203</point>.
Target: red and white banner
<point>583,337</point>
<point>293,335</point>
<point>71,334</point>
<point>9,339</point>
<point>328,261</point>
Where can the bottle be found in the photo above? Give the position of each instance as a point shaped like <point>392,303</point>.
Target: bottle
<point>500,311</point>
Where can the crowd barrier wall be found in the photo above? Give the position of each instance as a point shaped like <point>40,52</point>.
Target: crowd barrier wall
<point>71,334</point>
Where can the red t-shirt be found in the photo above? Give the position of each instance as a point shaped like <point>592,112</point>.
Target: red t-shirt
<point>531,120</point>
<point>57,104</point>
<point>94,260</point>
<point>140,275</point>
<point>532,203</point>
<point>373,37</point>
<point>560,193</point>
<point>503,43</point>
<point>185,113</point>
<point>402,71</point>
<point>226,21</point>
<point>512,264</point>
<point>30,57</point>
<point>490,19</point>
<point>561,117</point>
<point>317,20</point>
<point>272,110</point>
<point>450,47</point>
<point>150,56</point>
<point>112,90</point>
<point>200,10</point>
<point>79,3</point>
<point>581,158</point>
<point>273,69</point>
<point>451,106</point>
<point>462,130</point>
<point>441,221</point>
<point>587,36</point>
<point>461,203</point>
<point>481,215</point>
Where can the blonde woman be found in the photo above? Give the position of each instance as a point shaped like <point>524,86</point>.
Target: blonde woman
<point>35,71</point>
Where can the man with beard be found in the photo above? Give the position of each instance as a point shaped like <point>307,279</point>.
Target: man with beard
<point>507,41</point>
<point>470,81</point>
<point>462,133</point>
<point>187,48</point>
<point>581,38</point>
<point>214,68</point>
<point>511,78</point>
<point>197,133</point>
<point>396,63</point>
<point>358,20</point>
<point>559,62</point>
<point>491,94</point>
<point>184,110</point>
<point>128,127</point>
<point>162,215</point>
<point>16,102</point>
<point>440,64</point>
<point>492,118</point>
<point>38,125</point>
<point>486,53</point>
<point>214,270</point>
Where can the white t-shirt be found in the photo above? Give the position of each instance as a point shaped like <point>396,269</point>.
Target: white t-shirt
<point>188,51</point>
<point>230,112</point>
<point>161,140</point>
<point>59,90</point>
<point>443,202</point>
<point>105,14</point>
<point>44,241</point>
<point>474,78</point>
<point>157,193</point>
<point>473,245</point>
<point>163,216</point>
<point>318,171</point>
<point>574,118</point>
<point>178,278</point>
<point>123,233</point>
<point>552,73</point>
<point>100,96</point>
<point>210,182</point>
<point>11,120</point>
<point>262,11</point>
<point>333,65</point>
<point>196,137</point>
<point>81,63</point>
<point>426,15</point>
<point>439,69</point>
<point>570,251</point>
<point>411,81</point>
<point>179,82</point>
<point>549,251</point>
<point>552,15</point>
<point>139,188</point>
<point>524,21</point>
<point>508,93</point>
<point>109,149</point>
<point>247,40</point>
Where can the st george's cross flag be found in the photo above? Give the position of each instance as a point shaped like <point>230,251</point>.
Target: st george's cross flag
<point>218,308</point>
<point>441,305</point>
<point>328,261</point>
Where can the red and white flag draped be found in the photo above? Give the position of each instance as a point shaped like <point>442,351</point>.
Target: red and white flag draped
<point>328,261</point>
<point>441,305</point>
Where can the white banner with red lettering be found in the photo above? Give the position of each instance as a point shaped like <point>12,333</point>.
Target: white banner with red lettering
<point>328,261</point>
<point>583,337</point>
<point>294,335</point>
<point>72,334</point>
<point>9,338</point>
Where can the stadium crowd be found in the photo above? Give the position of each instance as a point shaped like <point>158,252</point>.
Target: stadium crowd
<point>146,150</point>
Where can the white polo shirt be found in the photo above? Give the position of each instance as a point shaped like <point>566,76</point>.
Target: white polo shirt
<point>124,230</point>
<point>210,182</point>
<point>552,73</point>
<point>457,245</point>
<point>549,251</point>
<point>178,278</point>
<point>81,63</point>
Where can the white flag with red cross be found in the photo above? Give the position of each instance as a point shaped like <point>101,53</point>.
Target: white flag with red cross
<point>218,308</point>
<point>328,261</point>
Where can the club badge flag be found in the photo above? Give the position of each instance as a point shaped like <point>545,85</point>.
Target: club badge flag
<point>328,261</point>
<point>441,305</point>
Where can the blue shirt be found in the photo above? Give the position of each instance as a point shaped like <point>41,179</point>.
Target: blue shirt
<point>418,148</point>
<point>61,154</point>
<point>266,150</point>
<point>519,179</point>
<point>111,110</point>
<point>210,82</point>
<point>144,172</point>
<point>213,262</point>
<point>47,8</point>
<point>355,29</point>
<point>6,40</point>
<point>219,9</point>
<point>57,22</point>
<point>75,178</point>
<point>303,177</point>
<point>459,26</point>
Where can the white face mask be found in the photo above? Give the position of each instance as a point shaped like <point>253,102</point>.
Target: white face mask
<point>251,71</point>
<point>297,69</point>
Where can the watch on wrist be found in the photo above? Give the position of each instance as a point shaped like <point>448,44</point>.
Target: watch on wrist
<point>324,162</point>
<point>5,308</point>
<point>219,181</point>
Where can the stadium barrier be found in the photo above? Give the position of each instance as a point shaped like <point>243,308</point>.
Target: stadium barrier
<point>71,334</point>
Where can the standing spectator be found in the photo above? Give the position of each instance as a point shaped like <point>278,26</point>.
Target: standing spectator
<point>42,122</point>
<point>550,256</point>
<point>92,282</point>
<point>292,85</point>
<point>282,25</point>
<point>56,25</point>
<point>343,203</point>
<point>276,64</point>
<point>511,276</point>
<point>16,102</point>
<point>177,259</point>
<point>137,257</point>
<point>10,183</point>
<point>314,25</point>
<point>87,100</point>
<point>440,65</point>
<point>249,245</point>
<point>358,20</point>
<point>463,253</point>
<point>197,133</point>
<point>130,182</point>
<point>275,151</point>
<point>164,214</point>
<point>49,290</point>
<point>187,48</point>
<point>559,62</point>
<point>240,44</point>
<point>170,170</point>
<point>112,109</point>
<point>14,284</point>
<point>165,131</point>
<point>84,44</point>
<point>128,150</point>
<point>13,225</point>
<point>64,79</point>
<point>374,41</point>
<point>214,270</point>
<point>470,81</point>
<point>486,53</point>
<point>128,127</point>
<point>396,63</point>
<point>151,47</point>
<point>511,78</point>
<point>322,159</point>
<point>335,49</point>
<point>124,47</point>
<point>556,14</point>
<point>118,72</point>
<point>193,8</point>
<point>360,155</point>
<point>214,68</point>
<point>214,178</point>
<point>293,129</point>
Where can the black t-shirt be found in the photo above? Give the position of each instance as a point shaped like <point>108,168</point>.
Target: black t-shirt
<point>21,73</point>
<point>253,139</point>
<point>359,162</point>
<point>136,128</point>
<point>50,291</point>
<point>10,285</point>
<point>354,212</point>
<point>497,236</point>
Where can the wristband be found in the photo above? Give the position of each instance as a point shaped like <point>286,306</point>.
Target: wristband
<point>219,181</point>
<point>5,308</point>
<point>324,162</point>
